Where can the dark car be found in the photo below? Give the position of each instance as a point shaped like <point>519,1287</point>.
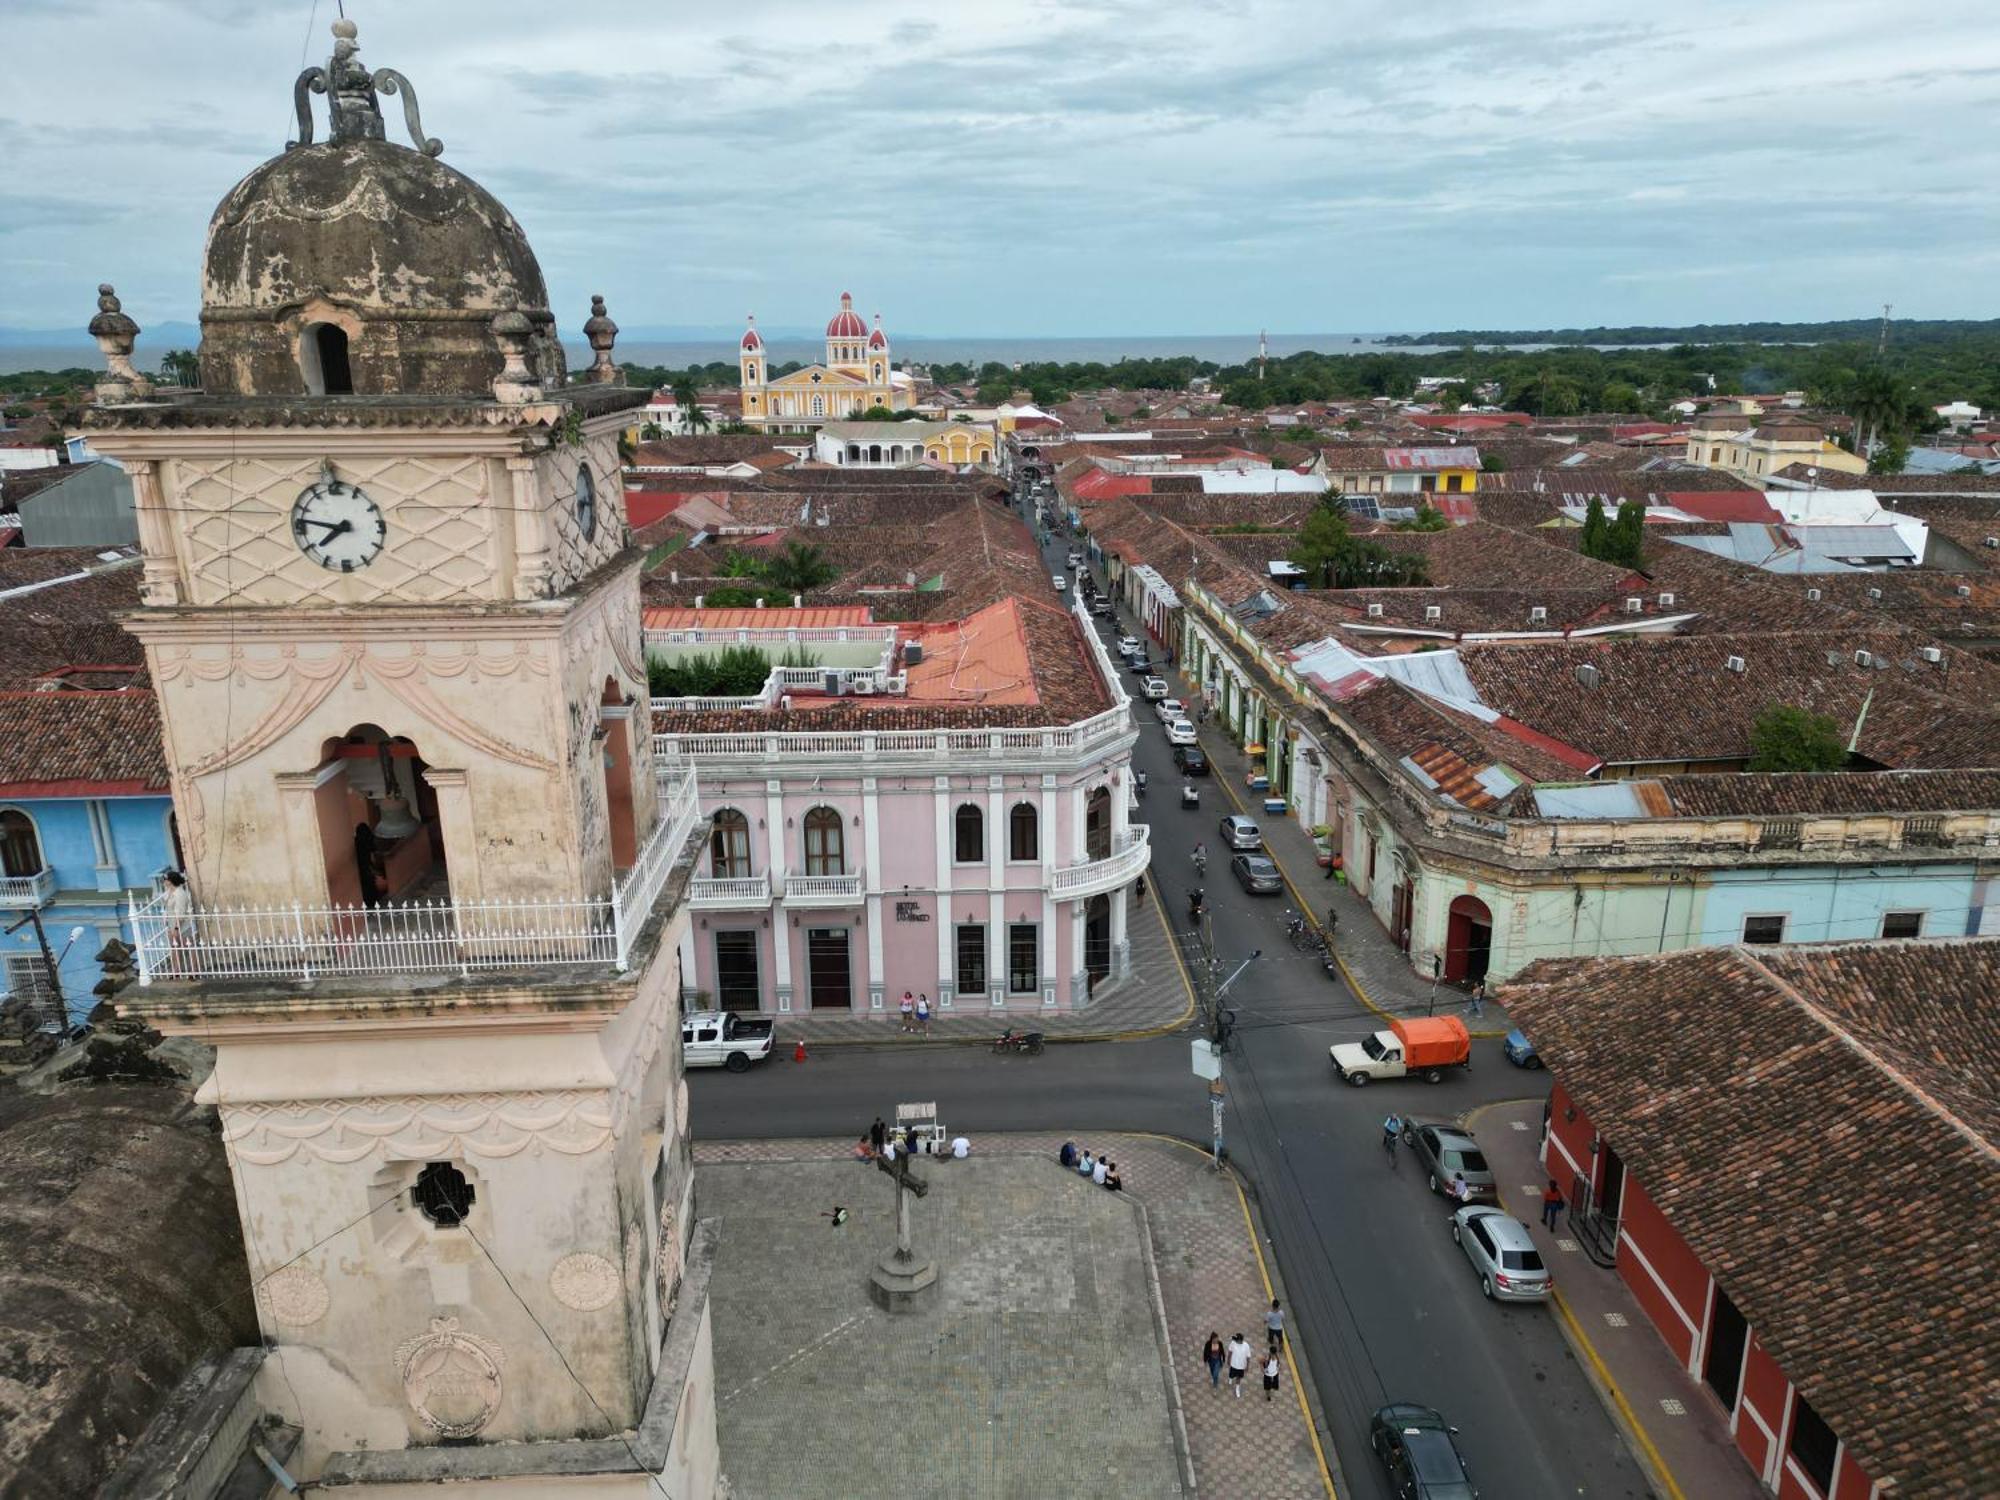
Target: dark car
<point>1446,1153</point>
<point>1256,874</point>
<point>1414,1444</point>
<point>1189,760</point>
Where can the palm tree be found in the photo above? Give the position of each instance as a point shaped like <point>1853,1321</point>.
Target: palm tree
<point>1875,401</point>
<point>650,433</point>
<point>742,565</point>
<point>801,568</point>
<point>687,396</point>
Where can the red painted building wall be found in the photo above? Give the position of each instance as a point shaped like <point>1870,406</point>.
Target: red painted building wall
<point>1765,1406</point>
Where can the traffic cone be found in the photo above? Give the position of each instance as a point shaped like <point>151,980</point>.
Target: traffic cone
<point>799,1051</point>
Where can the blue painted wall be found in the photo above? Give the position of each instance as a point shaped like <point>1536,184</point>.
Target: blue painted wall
<point>1819,907</point>
<point>140,847</point>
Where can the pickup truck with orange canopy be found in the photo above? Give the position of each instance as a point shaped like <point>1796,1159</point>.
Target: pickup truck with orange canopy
<point>1422,1045</point>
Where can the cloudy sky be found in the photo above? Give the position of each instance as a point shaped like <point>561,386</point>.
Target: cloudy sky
<point>1043,167</point>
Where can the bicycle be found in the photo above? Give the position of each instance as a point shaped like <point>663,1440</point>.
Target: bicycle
<point>1302,937</point>
<point>1392,1129</point>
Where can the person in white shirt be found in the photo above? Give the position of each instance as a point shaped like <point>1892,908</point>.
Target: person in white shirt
<point>1097,1173</point>
<point>1086,1164</point>
<point>1239,1361</point>
<point>960,1147</point>
<point>1270,1374</point>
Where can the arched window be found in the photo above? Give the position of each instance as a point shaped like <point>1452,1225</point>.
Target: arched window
<point>819,406</point>
<point>20,844</point>
<point>729,845</point>
<point>826,852</point>
<point>1024,832</point>
<point>750,374</point>
<point>323,360</point>
<point>968,839</point>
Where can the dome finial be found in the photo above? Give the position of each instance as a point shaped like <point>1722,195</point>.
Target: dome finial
<point>601,333</point>
<point>353,111</point>
<point>115,333</point>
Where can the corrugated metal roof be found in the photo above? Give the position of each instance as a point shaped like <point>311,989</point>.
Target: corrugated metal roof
<point>1601,799</point>
<point>1463,456</point>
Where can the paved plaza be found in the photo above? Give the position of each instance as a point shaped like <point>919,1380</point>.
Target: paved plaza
<point>1043,1367</point>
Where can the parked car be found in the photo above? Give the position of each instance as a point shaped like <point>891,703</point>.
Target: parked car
<point>1100,607</point>
<point>1059,581</point>
<point>1446,1153</point>
<point>1239,832</point>
<point>1189,760</point>
<point>1139,666</point>
<point>1421,1045</point>
<point>1181,732</point>
<point>1130,645</point>
<point>1414,1443</point>
<point>1503,1253</point>
<point>1073,561</point>
<point>724,1039</point>
<point>1256,874</point>
<point>1171,709</point>
<point>1520,1051</point>
<point>1154,688</point>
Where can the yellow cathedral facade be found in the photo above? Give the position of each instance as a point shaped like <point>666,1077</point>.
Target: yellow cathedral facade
<point>855,376</point>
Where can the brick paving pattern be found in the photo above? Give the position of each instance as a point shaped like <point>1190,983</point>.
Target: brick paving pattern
<point>1210,1278</point>
<point>1151,997</point>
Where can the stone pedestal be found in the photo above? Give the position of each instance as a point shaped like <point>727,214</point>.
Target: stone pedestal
<point>902,1282</point>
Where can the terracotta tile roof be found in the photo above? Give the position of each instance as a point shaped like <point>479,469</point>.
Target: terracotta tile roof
<point>1483,554</point>
<point>812,618</point>
<point>1820,1127</point>
<point>1801,794</point>
<point>61,742</point>
<point>1674,698</point>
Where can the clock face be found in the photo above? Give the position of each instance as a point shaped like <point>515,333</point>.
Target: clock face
<point>337,525</point>
<point>586,502</point>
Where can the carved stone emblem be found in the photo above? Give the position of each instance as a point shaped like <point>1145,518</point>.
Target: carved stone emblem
<point>451,1378</point>
<point>584,1281</point>
<point>295,1295</point>
<point>669,1262</point>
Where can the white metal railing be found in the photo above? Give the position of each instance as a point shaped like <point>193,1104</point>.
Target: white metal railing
<point>892,744</point>
<point>303,942</point>
<point>762,699</point>
<point>20,891</point>
<point>824,890</point>
<point>730,890</point>
<point>774,636</point>
<point>1130,854</point>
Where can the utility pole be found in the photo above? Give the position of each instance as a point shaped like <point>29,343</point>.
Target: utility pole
<point>1263,352</point>
<point>1882,342</point>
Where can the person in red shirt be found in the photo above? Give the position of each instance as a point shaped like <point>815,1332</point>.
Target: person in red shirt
<point>1552,1202</point>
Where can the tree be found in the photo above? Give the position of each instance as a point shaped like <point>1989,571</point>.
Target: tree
<point>650,432</point>
<point>877,414</point>
<point>801,568</point>
<point>1787,738</point>
<point>1492,463</point>
<point>1334,558</point>
<point>1891,456</point>
<point>1595,529</point>
<point>687,397</point>
<point>1621,539</point>
<point>1875,400</point>
<point>741,565</point>
<point>180,367</point>
<point>1428,518</point>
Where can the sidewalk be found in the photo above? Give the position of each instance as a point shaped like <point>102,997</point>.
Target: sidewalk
<point>1670,1417</point>
<point>1376,970</point>
<point>1151,1000</point>
<point>1212,1276</point>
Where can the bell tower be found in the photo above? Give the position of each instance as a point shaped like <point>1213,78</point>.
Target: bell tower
<point>436,876</point>
<point>750,366</point>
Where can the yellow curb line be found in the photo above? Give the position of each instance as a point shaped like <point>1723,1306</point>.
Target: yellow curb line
<point>1264,1274</point>
<point>1306,911</point>
<point>1579,1340</point>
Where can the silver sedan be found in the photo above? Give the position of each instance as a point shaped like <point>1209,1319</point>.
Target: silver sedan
<point>1503,1253</point>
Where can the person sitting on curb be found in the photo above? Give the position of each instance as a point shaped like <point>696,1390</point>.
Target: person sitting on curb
<point>1086,1164</point>
<point>1113,1181</point>
<point>1097,1173</point>
<point>1068,1156</point>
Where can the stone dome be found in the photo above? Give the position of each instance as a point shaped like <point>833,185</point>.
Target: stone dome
<point>361,266</point>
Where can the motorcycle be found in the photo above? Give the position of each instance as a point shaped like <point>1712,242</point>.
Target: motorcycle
<point>1197,906</point>
<point>1190,795</point>
<point>1138,783</point>
<point>1200,858</point>
<point>1011,1040</point>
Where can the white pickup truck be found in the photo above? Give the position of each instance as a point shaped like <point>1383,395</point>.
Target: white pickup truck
<point>724,1039</point>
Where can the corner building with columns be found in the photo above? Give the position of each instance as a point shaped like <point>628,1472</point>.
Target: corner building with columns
<point>435,879</point>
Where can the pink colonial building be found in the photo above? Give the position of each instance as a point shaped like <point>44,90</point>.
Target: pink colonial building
<point>940,807</point>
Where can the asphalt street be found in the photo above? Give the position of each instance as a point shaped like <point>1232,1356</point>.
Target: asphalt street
<point>1385,1306</point>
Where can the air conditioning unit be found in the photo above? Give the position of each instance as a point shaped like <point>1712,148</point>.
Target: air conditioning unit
<point>1537,615</point>
<point>1588,676</point>
<point>1875,594</point>
<point>1863,659</point>
<point>1635,605</point>
<point>1932,655</point>
<point>1813,596</point>
<point>1965,591</point>
<point>864,687</point>
<point>1374,611</point>
<point>913,653</point>
<point>1433,612</point>
<point>830,682</point>
<point>1666,601</point>
<point>1737,664</point>
<point>1993,541</point>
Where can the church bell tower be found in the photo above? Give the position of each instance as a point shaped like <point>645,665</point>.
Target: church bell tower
<point>434,886</point>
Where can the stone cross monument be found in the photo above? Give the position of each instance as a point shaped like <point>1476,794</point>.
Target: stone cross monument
<point>902,1279</point>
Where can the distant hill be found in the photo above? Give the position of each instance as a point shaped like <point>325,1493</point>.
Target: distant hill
<point>1901,331</point>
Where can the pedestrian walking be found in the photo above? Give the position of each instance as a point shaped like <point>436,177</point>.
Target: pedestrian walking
<point>1139,891</point>
<point>924,1014</point>
<point>878,1135</point>
<point>1270,1374</point>
<point>1274,1326</point>
<point>1212,1355</point>
<point>908,1010</point>
<point>1552,1204</point>
<point>1477,1004</point>
<point>1239,1363</point>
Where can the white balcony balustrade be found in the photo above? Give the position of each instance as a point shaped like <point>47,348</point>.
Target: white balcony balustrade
<point>713,892</point>
<point>20,892</point>
<point>824,890</point>
<point>303,943</point>
<point>1131,852</point>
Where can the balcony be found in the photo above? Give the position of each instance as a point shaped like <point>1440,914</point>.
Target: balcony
<point>1130,854</point>
<point>824,890</point>
<point>713,893</point>
<point>20,892</point>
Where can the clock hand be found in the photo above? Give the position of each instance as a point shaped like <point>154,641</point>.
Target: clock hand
<point>331,528</point>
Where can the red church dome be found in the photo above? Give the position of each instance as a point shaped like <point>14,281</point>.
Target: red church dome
<point>847,322</point>
<point>751,341</point>
<point>875,339</point>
